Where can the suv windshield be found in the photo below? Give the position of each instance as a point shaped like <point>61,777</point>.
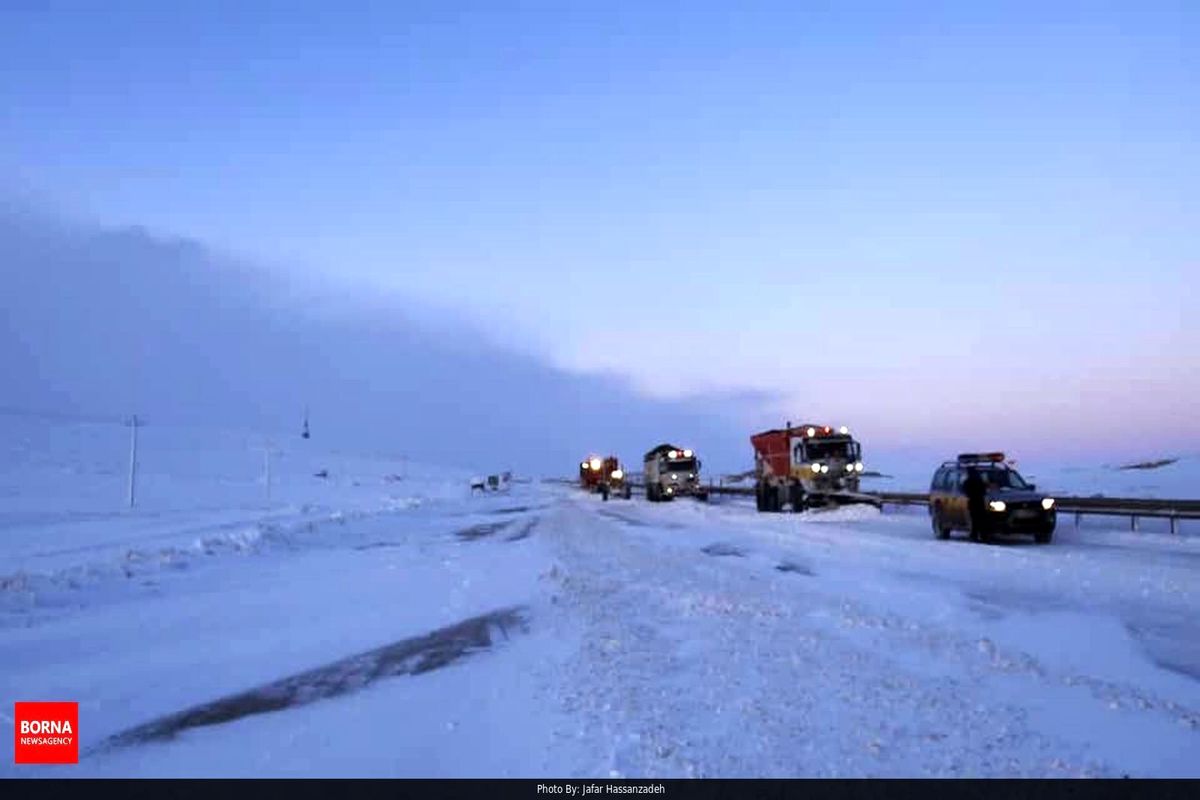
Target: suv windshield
<point>1004,479</point>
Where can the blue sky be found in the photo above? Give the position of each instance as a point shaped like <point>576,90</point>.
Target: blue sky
<point>913,217</point>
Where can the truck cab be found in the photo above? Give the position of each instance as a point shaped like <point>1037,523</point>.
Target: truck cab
<point>808,464</point>
<point>671,471</point>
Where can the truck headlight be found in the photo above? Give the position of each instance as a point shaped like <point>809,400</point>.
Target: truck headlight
<point>997,505</point>
<point>674,477</point>
<point>595,464</point>
<point>849,468</point>
<point>687,453</point>
<point>858,466</point>
<point>816,467</point>
<point>618,474</point>
<point>1048,503</point>
<point>824,468</point>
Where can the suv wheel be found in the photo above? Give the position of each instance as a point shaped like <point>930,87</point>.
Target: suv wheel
<point>1044,535</point>
<point>939,530</point>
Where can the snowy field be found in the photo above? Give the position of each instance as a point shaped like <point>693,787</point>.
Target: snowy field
<point>382,621</point>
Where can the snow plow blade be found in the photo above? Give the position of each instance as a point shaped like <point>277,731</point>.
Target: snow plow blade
<point>844,499</point>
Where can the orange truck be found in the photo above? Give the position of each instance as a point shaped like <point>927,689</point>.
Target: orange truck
<point>604,475</point>
<point>800,466</point>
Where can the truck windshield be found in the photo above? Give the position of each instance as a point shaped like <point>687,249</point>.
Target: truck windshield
<point>688,465</point>
<point>822,451</point>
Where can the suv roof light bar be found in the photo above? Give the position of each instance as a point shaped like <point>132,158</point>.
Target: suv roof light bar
<point>976,458</point>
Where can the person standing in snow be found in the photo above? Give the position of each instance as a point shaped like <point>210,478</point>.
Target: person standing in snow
<point>976,491</point>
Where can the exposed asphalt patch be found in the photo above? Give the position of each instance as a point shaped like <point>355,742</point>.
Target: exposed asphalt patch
<point>413,656</point>
<point>524,532</point>
<point>723,549</point>
<point>638,523</point>
<point>792,566</point>
<point>377,545</point>
<point>480,531</point>
<point>518,509</point>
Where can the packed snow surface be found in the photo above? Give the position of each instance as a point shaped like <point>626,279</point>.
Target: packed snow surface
<point>413,628</point>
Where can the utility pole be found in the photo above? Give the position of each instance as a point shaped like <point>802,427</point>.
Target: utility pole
<point>267,471</point>
<point>133,425</point>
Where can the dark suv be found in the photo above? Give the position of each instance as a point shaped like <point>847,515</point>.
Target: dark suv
<point>1010,504</point>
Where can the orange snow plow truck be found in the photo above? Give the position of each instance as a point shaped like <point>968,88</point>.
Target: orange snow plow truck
<point>807,466</point>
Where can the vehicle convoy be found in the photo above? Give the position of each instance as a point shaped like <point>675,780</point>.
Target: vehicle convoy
<point>672,471</point>
<point>800,466</point>
<point>604,475</point>
<point>1009,505</point>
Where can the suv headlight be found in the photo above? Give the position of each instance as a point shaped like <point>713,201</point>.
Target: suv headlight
<point>1048,503</point>
<point>997,505</point>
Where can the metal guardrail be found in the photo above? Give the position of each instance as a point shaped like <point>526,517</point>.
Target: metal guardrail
<point>1132,507</point>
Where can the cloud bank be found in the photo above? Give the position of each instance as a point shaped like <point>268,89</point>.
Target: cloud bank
<point>113,322</point>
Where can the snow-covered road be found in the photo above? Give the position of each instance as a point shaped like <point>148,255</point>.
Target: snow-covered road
<point>658,640</point>
<point>720,642</point>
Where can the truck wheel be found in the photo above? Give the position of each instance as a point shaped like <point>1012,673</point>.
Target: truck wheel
<point>796,497</point>
<point>604,493</point>
<point>628,492</point>
<point>760,502</point>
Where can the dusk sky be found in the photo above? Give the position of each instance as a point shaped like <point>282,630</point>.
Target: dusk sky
<point>911,217</point>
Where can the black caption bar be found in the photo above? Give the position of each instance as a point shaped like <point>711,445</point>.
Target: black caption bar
<point>700,789</point>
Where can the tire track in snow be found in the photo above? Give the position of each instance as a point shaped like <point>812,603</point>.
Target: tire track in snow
<point>412,656</point>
